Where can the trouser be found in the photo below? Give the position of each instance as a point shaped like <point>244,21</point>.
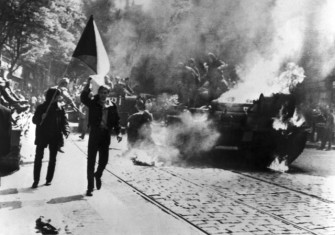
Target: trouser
<point>38,162</point>
<point>99,141</point>
<point>327,137</point>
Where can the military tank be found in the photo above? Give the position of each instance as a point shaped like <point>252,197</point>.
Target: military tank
<point>263,130</point>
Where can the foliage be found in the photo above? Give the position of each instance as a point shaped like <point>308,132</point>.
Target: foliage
<point>38,31</point>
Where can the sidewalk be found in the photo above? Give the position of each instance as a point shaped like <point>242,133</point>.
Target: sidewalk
<point>115,209</point>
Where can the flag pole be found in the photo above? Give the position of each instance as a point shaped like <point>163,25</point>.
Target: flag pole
<point>87,32</point>
<point>54,96</point>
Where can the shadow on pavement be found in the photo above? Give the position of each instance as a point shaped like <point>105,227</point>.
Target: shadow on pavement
<point>297,170</point>
<point>228,160</point>
<point>66,199</point>
<point>9,191</point>
<point>12,204</point>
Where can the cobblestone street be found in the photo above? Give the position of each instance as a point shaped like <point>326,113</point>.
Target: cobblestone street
<point>203,200</point>
<point>219,201</point>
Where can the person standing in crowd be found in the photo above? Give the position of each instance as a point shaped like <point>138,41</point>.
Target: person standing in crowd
<point>66,97</point>
<point>9,97</point>
<point>5,130</point>
<point>103,118</point>
<point>216,80</point>
<point>83,120</point>
<point>51,125</point>
<point>128,87</point>
<point>139,126</point>
<point>33,103</point>
<point>327,135</point>
<point>64,92</point>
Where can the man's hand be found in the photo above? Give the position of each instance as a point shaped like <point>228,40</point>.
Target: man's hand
<point>119,138</point>
<point>87,86</point>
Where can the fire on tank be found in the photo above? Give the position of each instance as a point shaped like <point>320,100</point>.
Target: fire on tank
<point>268,129</point>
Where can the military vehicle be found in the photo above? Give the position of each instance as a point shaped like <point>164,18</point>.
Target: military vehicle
<point>267,128</point>
<point>261,131</point>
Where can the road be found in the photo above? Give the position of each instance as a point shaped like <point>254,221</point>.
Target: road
<point>204,197</point>
<point>315,162</point>
<point>218,201</point>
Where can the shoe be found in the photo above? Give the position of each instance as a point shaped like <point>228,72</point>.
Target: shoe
<point>48,183</point>
<point>60,150</point>
<point>35,184</point>
<point>98,182</point>
<point>89,193</point>
<point>82,137</point>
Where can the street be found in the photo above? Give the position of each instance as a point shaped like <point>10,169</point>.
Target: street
<point>202,114</point>
<point>170,199</point>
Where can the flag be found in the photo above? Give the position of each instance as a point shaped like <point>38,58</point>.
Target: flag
<point>91,51</point>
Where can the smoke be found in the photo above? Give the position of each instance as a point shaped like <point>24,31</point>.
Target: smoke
<point>257,36</point>
<point>177,144</point>
<point>250,89</point>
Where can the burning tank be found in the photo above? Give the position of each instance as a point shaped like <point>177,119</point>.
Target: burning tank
<point>267,129</point>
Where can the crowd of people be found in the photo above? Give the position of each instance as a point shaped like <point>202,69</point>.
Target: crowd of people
<point>97,112</point>
<point>199,82</point>
<point>321,119</point>
<point>99,116</point>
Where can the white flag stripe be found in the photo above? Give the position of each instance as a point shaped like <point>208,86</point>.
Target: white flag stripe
<point>97,81</point>
<point>102,57</point>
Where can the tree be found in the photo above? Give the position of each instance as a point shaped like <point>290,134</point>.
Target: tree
<point>39,31</point>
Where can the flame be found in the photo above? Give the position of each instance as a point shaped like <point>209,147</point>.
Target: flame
<point>278,124</point>
<point>262,80</point>
<point>278,165</point>
<point>296,120</point>
<point>142,157</point>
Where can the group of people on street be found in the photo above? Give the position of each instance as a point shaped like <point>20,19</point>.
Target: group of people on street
<point>103,120</point>
<point>9,98</point>
<point>11,103</point>
<point>325,128</point>
<point>201,82</point>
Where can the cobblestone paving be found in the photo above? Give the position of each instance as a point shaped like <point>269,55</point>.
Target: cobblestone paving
<point>308,212</point>
<point>223,202</point>
<point>208,209</point>
<point>314,185</point>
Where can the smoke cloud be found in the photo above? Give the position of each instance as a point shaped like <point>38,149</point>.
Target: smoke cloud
<point>177,144</point>
<point>258,37</point>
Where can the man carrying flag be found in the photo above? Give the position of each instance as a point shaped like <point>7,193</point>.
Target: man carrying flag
<point>103,115</point>
<point>103,118</point>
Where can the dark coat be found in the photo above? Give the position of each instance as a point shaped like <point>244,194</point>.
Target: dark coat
<point>5,130</point>
<point>54,125</point>
<point>138,128</point>
<point>95,112</point>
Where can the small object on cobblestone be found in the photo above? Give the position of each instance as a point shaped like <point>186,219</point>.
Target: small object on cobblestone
<point>138,162</point>
<point>44,226</point>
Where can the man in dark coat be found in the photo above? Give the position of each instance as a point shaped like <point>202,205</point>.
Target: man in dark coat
<point>103,118</point>
<point>138,126</point>
<point>50,126</point>
<point>5,130</point>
